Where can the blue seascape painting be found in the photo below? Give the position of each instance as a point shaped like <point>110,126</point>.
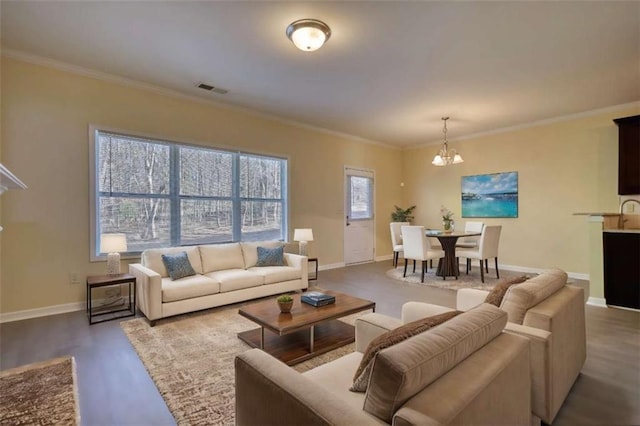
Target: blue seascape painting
<point>493,195</point>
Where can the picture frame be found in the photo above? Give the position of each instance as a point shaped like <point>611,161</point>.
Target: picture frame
<point>492,195</point>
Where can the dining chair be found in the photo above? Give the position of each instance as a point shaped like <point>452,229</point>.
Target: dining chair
<point>396,239</point>
<point>487,249</point>
<point>417,247</point>
<point>470,242</point>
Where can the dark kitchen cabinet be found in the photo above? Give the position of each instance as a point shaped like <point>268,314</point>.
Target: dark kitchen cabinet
<point>622,268</point>
<point>628,155</point>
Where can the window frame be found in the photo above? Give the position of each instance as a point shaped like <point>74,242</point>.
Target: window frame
<point>174,197</point>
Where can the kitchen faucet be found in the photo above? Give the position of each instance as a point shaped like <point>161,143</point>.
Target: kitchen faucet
<point>620,220</point>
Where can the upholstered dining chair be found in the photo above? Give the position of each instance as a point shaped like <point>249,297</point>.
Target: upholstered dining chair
<point>396,239</point>
<point>487,249</point>
<point>470,242</point>
<point>417,247</point>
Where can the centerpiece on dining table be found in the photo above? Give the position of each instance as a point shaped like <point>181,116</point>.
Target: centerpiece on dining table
<point>447,219</point>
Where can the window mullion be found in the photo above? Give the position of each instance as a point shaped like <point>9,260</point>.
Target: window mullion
<point>237,204</point>
<point>174,193</point>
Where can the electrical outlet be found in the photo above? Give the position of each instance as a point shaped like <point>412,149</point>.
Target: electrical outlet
<point>74,278</point>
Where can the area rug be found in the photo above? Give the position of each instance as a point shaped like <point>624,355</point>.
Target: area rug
<point>190,359</point>
<point>44,393</point>
<point>473,280</point>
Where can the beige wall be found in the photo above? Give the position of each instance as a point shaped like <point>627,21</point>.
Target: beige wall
<point>45,118</point>
<point>563,167</point>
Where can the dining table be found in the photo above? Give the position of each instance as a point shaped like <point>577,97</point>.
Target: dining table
<point>448,266</point>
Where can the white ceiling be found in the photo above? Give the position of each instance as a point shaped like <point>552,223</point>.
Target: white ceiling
<point>388,73</point>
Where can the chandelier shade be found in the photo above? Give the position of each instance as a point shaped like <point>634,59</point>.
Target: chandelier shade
<point>446,156</point>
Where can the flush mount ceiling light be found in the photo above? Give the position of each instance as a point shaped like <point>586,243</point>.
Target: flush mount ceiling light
<point>308,34</point>
<point>446,156</point>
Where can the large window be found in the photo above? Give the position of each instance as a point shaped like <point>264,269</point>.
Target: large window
<point>163,194</point>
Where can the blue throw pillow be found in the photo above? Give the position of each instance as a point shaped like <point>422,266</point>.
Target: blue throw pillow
<point>178,265</point>
<point>270,256</point>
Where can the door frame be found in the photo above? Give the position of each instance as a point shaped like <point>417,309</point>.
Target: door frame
<point>345,210</point>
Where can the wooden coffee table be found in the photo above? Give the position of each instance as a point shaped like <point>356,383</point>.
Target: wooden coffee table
<point>305,332</point>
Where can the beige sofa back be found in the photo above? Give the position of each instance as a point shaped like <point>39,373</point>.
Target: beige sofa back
<point>219,257</point>
<point>520,298</point>
<point>401,371</point>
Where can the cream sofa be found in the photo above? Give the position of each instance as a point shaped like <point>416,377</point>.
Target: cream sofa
<point>551,314</point>
<point>464,371</point>
<point>225,273</point>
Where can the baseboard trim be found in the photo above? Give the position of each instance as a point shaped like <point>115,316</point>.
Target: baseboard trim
<point>53,310</point>
<point>42,312</point>
<point>331,266</point>
<point>383,258</point>
<point>597,301</point>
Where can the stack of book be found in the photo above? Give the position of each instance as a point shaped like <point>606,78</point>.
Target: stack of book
<point>315,298</point>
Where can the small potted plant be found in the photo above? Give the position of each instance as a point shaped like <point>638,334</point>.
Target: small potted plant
<point>402,215</point>
<point>447,219</point>
<point>285,302</point>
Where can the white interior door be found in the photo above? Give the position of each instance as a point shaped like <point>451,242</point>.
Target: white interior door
<point>359,218</point>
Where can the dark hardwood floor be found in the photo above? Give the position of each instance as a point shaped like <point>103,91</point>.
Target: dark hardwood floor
<point>115,388</point>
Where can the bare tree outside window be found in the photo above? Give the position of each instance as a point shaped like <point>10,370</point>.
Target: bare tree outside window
<point>163,194</point>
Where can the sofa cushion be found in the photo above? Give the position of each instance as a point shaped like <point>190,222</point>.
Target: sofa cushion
<point>187,288</point>
<point>152,259</point>
<point>497,293</point>
<point>402,370</point>
<point>335,377</point>
<point>519,298</point>
<point>236,279</point>
<point>177,265</point>
<point>250,251</point>
<point>218,257</point>
<point>390,338</point>
<point>277,274</point>
<point>270,256</point>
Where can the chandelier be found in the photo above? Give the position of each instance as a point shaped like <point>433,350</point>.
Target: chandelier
<point>446,156</point>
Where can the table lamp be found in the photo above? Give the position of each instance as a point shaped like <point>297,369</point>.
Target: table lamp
<point>113,244</point>
<point>303,235</point>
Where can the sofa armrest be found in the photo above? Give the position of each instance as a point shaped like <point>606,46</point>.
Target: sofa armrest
<point>299,262</point>
<point>412,311</point>
<point>468,298</point>
<point>370,326</point>
<point>148,290</point>
<point>268,392</point>
<point>563,315</point>
<point>541,344</point>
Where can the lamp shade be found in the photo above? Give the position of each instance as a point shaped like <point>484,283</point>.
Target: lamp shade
<point>113,243</point>
<point>303,234</point>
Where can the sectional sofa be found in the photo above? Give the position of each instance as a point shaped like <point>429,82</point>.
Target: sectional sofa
<point>463,371</point>
<point>225,273</point>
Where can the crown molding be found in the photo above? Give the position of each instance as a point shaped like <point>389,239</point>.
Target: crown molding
<point>538,123</point>
<point>123,81</point>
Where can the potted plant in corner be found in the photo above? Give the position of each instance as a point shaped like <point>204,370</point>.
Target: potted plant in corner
<point>402,215</point>
<point>285,302</point>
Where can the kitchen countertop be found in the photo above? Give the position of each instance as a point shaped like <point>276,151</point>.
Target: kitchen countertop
<point>624,231</point>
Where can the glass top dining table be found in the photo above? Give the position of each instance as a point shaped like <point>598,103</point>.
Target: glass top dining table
<point>447,266</point>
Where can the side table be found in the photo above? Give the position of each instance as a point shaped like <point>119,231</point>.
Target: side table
<point>314,260</point>
<point>95,281</point>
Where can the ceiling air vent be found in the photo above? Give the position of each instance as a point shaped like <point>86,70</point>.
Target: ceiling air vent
<point>213,89</point>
